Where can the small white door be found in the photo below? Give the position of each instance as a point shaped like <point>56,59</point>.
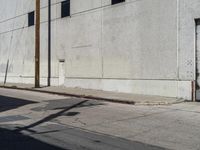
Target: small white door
<point>61,72</point>
<point>197,59</point>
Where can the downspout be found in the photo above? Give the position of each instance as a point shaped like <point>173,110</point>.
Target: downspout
<point>178,45</point>
<point>195,65</point>
<point>49,43</point>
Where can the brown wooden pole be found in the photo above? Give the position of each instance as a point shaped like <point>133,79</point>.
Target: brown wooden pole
<point>37,45</point>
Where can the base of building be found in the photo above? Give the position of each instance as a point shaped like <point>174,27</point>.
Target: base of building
<point>179,89</point>
<point>167,88</point>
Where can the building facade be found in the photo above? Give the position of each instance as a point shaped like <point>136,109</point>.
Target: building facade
<point>132,46</point>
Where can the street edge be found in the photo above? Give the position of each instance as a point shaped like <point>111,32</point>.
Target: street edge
<point>94,97</point>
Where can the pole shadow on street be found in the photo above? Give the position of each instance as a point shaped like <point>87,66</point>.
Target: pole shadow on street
<point>50,117</point>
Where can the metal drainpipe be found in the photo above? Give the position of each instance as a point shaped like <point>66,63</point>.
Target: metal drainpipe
<point>49,42</point>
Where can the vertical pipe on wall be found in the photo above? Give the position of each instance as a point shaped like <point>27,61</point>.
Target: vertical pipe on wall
<point>49,42</point>
<point>177,36</point>
<point>194,82</point>
<point>6,73</point>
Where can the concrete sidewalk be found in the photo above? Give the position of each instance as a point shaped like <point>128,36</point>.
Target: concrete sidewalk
<point>98,95</point>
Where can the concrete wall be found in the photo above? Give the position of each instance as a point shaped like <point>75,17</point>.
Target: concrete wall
<point>129,47</point>
<point>16,40</point>
<point>126,41</point>
<point>189,11</point>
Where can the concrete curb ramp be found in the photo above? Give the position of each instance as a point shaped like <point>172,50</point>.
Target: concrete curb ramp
<point>124,98</point>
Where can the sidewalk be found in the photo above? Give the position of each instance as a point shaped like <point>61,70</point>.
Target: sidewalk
<point>98,95</point>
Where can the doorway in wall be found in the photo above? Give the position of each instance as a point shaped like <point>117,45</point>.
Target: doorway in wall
<point>197,84</point>
<point>61,72</point>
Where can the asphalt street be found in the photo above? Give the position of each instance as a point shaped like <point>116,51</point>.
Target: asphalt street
<point>56,137</point>
<point>44,133</point>
<point>39,121</point>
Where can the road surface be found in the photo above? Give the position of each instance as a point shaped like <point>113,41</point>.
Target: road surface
<point>31,120</point>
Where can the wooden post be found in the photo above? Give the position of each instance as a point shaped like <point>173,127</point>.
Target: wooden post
<point>37,45</point>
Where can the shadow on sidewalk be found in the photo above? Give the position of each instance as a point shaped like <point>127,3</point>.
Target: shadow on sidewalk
<point>8,103</point>
<point>11,140</point>
<point>50,117</point>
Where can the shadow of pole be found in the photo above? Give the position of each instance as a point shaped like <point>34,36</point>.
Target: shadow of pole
<point>48,118</point>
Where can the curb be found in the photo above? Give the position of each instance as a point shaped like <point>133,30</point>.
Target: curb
<point>94,97</point>
<point>71,95</point>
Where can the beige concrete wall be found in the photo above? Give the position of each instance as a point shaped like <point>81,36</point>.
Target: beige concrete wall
<point>189,11</point>
<point>123,47</point>
<point>132,40</point>
<point>139,40</point>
